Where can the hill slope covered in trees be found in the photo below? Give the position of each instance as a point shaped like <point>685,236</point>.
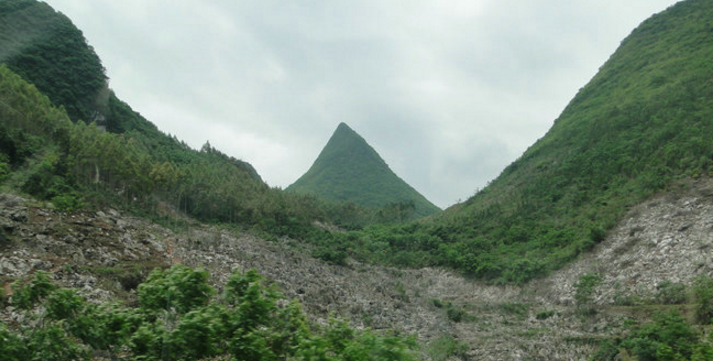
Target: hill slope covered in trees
<point>46,49</point>
<point>349,169</point>
<point>643,123</point>
<point>133,165</point>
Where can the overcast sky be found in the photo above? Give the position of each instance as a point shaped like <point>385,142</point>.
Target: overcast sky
<point>447,92</point>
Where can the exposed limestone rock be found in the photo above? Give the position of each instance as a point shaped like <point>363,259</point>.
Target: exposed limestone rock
<point>668,238</point>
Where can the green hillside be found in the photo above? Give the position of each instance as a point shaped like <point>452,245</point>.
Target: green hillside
<point>641,126</point>
<point>47,67</point>
<point>45,48</point>
<point>349,169</point>
<point>81,166</point>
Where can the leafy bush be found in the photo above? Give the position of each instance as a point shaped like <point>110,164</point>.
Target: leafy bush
<point>53,344</point>
<point>25,296</point>
<point>585,287</point>
<point>669,293</point>
<point>446,347</point>
<point>437,303</point>
<point>702,291</point>
<point>514,308</point>
<point>12,347</point>
<point>66,202</point>
<point>544,315</point>
<point>179,318</point>
<point>4,167</point>
<point>332,256</point>
<point>455,314</point>
<point>669,337</point>
<point>179,288</point>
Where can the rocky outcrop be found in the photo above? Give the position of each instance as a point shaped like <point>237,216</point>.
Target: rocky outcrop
<point>665,239</point>
<point>106,254</point>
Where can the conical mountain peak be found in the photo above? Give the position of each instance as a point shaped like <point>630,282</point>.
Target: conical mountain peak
<point>349,169</point>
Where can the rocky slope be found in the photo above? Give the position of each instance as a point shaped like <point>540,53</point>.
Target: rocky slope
<point>106,254</point>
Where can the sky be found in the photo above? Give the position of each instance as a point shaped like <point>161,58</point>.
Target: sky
<point>447,92</point>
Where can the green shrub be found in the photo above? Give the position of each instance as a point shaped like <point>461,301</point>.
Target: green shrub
<point>12,347</point>
<point>25,296</point>
<point>514,308</point>
<point>245,323</point>
<point>64,304</point>
<point>669,293</point>
<point>597,234</point>
<point>332,256</point>
<point>454,314</point>
<point>52,343</point>
<point>702,291</point>
<point>437,303</point>
<point>4,167</point>
<point>179,287</point>
<point>585,287</point>
<point>669,337</point>
<point>446,347</point>
<point>66,202</point>
<point>544,315</point>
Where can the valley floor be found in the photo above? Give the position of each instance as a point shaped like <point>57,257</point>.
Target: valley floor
<point>106,254</point>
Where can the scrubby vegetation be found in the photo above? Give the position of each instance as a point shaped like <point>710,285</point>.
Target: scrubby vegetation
<point>668,337</point>
<point>180,316</point>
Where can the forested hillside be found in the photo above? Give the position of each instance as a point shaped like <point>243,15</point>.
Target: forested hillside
<point>349,169</point>
<point>643,123</point>
<point>134,164</point>
<point>45,48</point>
<point>77,165</point>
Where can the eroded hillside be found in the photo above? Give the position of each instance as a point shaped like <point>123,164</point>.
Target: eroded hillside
<point>106,254</point>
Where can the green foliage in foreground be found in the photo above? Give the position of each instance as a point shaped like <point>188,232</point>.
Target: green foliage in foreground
<point>180,317</point>
<point>668,338</point>
<point>702,292</point>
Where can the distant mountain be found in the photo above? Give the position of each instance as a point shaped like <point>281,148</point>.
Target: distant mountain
<point>349,169</point>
